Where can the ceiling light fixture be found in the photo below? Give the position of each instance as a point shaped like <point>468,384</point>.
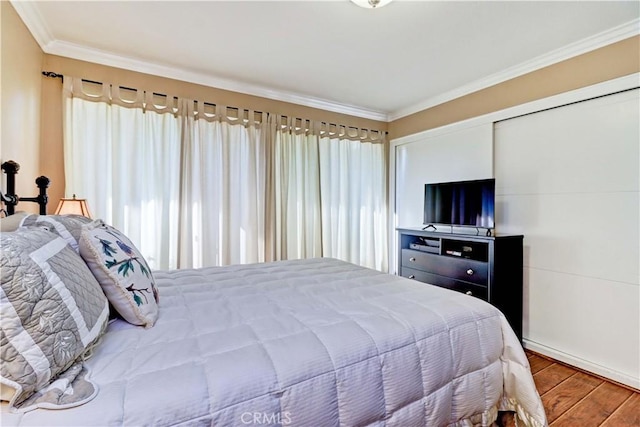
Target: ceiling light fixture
<point>371,4</point>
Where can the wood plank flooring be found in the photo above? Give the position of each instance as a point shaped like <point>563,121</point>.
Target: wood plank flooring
<point>573,398</point>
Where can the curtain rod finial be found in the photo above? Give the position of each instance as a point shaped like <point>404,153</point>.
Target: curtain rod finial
<point>52,74</point>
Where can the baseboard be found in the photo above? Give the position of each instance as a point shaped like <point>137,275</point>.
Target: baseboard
<point>569,359</point>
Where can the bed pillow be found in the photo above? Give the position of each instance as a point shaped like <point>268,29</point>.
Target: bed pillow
<point>53,311</point>
<point>122,272</point>
<point>68,227</point>
<point>12,222</point>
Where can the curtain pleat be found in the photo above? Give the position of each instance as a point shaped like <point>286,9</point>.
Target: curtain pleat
<point>195,184</point>
<point>297,190</point>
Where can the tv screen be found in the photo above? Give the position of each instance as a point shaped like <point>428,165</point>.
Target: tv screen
<point>464,203</point>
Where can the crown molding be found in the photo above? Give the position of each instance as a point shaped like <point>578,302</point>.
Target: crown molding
<point>594,42</point>
<point>28,12</point>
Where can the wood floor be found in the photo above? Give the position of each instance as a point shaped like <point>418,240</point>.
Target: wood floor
<point>573,398</point>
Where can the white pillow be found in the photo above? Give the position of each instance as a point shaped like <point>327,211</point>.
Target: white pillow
<point>122,272</point>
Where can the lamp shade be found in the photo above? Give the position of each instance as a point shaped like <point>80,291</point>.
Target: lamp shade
<point>73,206</point>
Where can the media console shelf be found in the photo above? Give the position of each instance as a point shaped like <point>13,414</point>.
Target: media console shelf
<point>487,267</point>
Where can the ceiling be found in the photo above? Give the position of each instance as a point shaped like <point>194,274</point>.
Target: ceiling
<point>380,63</point>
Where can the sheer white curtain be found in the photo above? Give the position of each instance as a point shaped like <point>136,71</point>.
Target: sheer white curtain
<point>193,186</point>
<point>223,190</point>
<point>126,162</point>
<point>297,193</point>
<point>330,195</point>
<point>187,187</point>
<point>354,209</point>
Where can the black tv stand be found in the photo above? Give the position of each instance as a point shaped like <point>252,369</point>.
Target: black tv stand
<point>487,267</point>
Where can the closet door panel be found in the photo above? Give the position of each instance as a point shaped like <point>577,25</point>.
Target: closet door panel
<point>568,179</point>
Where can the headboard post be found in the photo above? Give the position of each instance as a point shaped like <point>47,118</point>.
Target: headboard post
<point>11,199</point>
<point>43,183</point>
<point>11,168</point>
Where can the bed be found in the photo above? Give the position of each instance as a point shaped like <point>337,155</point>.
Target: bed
<point>316,342</point>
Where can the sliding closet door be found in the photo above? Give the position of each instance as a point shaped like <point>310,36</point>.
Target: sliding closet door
<point>568,179</point>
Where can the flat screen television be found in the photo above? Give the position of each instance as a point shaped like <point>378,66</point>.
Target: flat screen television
<point>460,203</point>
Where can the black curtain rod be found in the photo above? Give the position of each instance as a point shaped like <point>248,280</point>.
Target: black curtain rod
<point>53,75</point>
<point>61,76</point>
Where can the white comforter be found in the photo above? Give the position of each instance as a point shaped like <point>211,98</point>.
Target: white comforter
<point>305,343</point>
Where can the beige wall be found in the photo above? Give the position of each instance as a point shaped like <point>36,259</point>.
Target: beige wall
<point>20,101</point>
<point>616,60</point>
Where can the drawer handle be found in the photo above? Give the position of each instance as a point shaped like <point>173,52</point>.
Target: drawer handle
<point>469,293</point>
<point>470,272</point>
<point>411,276</point>
<point>412,259</point>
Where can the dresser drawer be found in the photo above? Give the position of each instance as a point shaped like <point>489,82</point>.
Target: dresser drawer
<point>467,270</point>
<point>446,282</point>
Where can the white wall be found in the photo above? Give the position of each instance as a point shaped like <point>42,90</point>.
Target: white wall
<point>567,179</point>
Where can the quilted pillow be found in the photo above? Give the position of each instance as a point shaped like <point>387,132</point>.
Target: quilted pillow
<point>52,310</point>
<point>122,272</point>
<point>66,226</point>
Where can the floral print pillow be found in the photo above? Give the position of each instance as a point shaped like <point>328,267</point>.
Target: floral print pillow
<point>123,274</point>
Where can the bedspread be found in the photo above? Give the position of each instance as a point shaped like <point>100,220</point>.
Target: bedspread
<point>316,342</point>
